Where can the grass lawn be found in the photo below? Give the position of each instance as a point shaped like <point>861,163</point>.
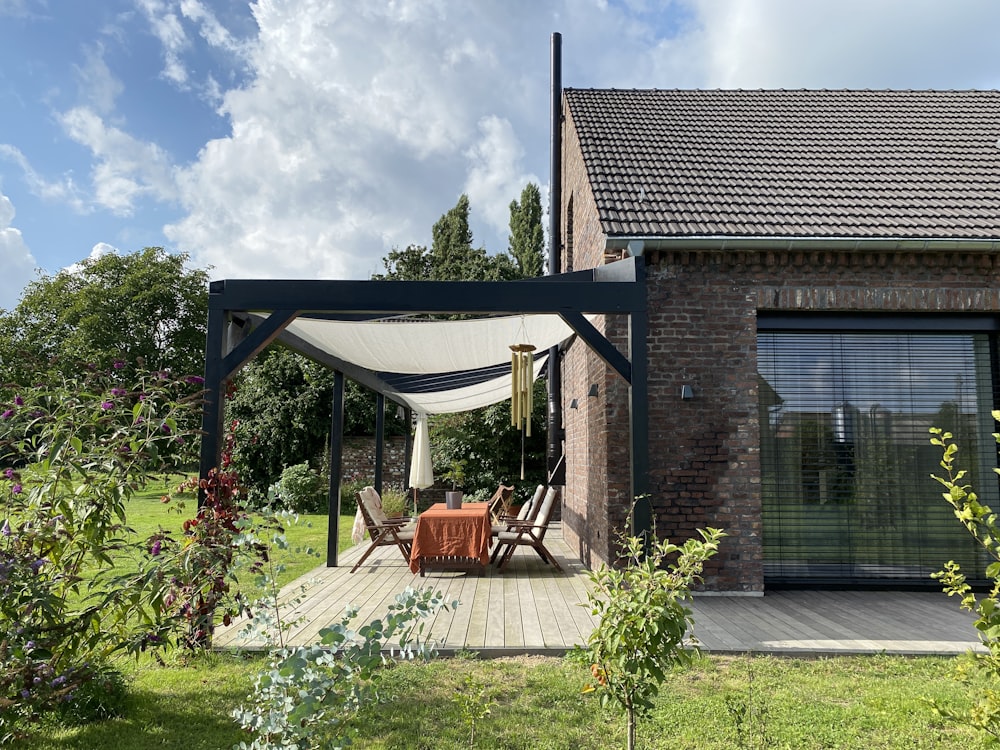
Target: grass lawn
<point>146,514</point>
<point>868,703</point>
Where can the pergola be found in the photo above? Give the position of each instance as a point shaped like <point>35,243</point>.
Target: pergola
<point>246,316</point>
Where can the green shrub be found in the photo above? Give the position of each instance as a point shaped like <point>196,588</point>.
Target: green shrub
<point>349,489</point>
<point>102,695</point>
<point>302,490</point>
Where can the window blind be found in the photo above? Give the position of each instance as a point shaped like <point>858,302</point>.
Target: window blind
<point>846,456</point>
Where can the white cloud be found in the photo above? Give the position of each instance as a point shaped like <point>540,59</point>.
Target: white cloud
<point>845,44</point>
<point>126,169</point>
<point>495,177</point>
<point>17,265</point>
<point>63,191</point>
<point>99,86</point>
<point>362,125</point>
<point>167,28</point>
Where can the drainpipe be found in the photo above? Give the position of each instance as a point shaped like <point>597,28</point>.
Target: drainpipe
<point>555,423</point>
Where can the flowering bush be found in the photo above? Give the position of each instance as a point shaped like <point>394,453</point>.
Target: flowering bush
<point>72,453</point>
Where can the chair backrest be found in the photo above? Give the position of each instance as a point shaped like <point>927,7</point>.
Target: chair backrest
<point>530,509</point>
<point>545,513</point>
<point>500,502</point>
<point>371,505</point>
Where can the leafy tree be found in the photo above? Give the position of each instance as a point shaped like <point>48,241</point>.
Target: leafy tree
<point>281,407</point>
<point>145,306</point>
<point>452,257</point>
<point>527,240</point>
<point>411,264</point>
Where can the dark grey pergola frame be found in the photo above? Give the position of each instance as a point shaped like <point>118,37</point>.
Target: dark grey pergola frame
<point>237,332</point>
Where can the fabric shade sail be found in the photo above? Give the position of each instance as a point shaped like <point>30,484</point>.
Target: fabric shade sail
<point>436,367</point>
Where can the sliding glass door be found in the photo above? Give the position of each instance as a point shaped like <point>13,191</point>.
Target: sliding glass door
<point>846,457</point>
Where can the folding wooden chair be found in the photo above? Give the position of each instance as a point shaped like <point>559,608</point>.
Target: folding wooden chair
<point>529,533</point>
<point>500,502</point>
<point>384,531</point>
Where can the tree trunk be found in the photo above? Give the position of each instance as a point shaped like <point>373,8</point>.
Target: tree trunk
<point>630,713</point>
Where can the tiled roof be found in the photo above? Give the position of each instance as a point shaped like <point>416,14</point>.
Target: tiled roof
<point>793,164</point>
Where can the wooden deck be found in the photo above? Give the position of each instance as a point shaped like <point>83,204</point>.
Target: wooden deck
<point>530,608</point>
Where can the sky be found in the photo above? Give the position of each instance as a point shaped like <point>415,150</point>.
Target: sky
<point>307,138</point>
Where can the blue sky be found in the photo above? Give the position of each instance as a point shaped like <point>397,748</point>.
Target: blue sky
<point>306,138</point>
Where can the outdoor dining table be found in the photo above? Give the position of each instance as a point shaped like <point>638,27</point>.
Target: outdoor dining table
<point>457,539</point>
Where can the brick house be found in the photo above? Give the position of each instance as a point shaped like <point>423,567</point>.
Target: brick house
<point>823,273</point>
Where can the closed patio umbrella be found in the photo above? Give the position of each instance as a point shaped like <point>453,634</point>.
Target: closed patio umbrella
<point>421,468</point>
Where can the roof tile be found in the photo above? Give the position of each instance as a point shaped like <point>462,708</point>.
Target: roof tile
<point>903,164</point>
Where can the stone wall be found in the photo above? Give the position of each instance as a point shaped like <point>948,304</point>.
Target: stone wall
<point>359,460</point>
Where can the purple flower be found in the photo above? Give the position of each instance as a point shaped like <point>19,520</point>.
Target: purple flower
<point>37,564</point>
<point>30,645</point>
<point>105,405</point>
<point>155,549</point>
<point>61,679</point>
<point>194,379</point>
<point>16,489</point>
<point>5,529</point>
<point>18,401</point>
<point>26,693</point>
<point>9,473</point>
<point>118,391</point>
<point>165,427</point>
<point>118,364</point>
<point>7,414</point>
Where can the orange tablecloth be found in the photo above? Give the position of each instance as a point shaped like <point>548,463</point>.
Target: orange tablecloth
<point>463,532</point>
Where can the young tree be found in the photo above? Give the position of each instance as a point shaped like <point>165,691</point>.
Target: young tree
<point>643,620</point>
<point>117,307</point>
<point>981,671</point>
<point>526,242</point>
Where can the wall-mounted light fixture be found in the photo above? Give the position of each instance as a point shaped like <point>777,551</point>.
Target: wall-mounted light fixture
<point>593,390</point>
<point>687,393</point>
<point>573,404</point>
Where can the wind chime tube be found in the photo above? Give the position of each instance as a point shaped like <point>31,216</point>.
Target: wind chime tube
<point>515,391</point>
<point>528,387</point>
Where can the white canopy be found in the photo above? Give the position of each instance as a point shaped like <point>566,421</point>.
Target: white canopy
<point>437,347</point>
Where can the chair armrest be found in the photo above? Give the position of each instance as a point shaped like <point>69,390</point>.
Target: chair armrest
<point>513,524</point>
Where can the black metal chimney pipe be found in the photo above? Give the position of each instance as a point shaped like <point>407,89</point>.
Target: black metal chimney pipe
<point>556,467</point>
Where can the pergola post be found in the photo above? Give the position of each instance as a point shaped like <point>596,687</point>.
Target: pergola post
<point>379,440</point>
<point>213,409</point>
<point>336,459</point>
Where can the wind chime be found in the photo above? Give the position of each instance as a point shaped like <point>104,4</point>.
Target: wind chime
<point>522,376</point>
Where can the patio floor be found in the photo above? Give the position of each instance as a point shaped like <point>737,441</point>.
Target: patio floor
<point>530,608</point>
